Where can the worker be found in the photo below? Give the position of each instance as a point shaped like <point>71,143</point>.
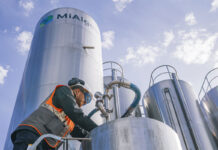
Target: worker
<point>60,114</point>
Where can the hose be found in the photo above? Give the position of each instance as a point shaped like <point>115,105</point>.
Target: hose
<point>131,108</point>
<point>129,86</point>
<point>135,101</point>
<point>92,112</point>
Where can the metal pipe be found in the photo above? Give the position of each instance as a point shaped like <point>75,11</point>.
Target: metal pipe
<point>129,86</point>
<point>121,83</point>
<point>36,143</point>
<point>185,109</point>
<point>66,144</point>
<point>116,95</point>
<point>62,139</point>
<point>100,106</point>
<point>181,128</point>
<point>72,138</point>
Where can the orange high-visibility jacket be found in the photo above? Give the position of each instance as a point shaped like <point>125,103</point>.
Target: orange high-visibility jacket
<point>50,119</point>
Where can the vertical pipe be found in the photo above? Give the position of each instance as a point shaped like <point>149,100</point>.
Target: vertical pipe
<point>66,144</point>
<point>116,95</point>
<point>185,109</point>
<point>169,100</point>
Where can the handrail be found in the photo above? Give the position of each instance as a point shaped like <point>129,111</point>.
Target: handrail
<point>62,139</point>
<point>208,82</point>
<point>168,67</point>
<point>112,67</point>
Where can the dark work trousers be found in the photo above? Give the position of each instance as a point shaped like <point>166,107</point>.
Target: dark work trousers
<point>25,137</point>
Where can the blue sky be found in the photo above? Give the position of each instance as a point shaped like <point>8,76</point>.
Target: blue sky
<point>139,34</point>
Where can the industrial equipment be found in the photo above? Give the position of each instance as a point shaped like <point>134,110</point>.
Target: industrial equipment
<point>67,44</point>
<point>123,130</point>
<point>208,99</point>
<point>173,102</point>
<point>119,98</point>
<point>126,132</point>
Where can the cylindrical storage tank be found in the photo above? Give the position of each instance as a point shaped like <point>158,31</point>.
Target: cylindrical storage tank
<point>121,98</point>
<point>66,44</point>
<point>173,102</point>
<point>209,105</point>
<point>208,97</point>
<point>133,134</point>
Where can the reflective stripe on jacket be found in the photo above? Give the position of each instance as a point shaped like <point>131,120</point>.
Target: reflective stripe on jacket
<point>50,119</point>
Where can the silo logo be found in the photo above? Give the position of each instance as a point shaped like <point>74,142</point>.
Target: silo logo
<point>74,17</point>
<point>46,21</point>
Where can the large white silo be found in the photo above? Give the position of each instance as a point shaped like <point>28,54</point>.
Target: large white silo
<point>66,44</point>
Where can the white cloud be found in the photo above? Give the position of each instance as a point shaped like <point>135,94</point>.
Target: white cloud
<point>141,55</point>
<point>195,47</point>
<point>214,6</point>
<point>17,29</point>
<point>121,4</point>
<point>5,31</point>
<point>190,19</point>
<point>108,38</point>
<point>168,38</point>
<point>24,40</point>
<point>3,74</point>
<point>27,6</point>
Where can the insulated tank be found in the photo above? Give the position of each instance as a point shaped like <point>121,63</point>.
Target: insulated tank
<point>173,102</point>
<point>66,44</point>
<point>133,134</point>
<point>121,97</point>
<point>208,97</point>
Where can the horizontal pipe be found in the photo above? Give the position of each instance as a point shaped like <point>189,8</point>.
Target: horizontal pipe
<point>72,138</point>
<point>36,143</point>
